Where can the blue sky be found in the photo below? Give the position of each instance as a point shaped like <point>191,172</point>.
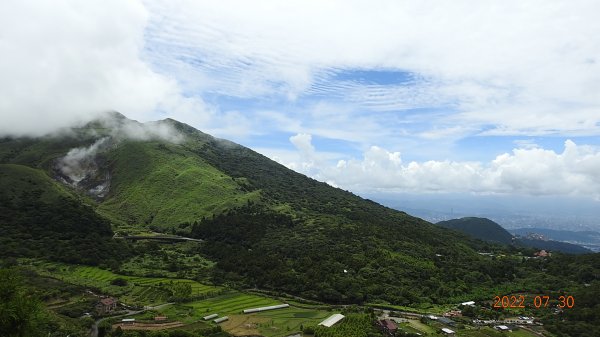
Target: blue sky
<point>401,97</point>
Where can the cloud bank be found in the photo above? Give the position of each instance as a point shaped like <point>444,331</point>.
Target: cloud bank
<point>67,61</point>
<point>528,171</point>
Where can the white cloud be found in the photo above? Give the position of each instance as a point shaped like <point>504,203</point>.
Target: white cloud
<point>529,171</point>
<point>522,67</point>
<point>67,61</point>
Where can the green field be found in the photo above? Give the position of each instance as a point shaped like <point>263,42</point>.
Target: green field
<point>275,323</point>
<point>138,291</point>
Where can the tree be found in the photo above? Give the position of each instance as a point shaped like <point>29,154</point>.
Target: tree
<point>119,281</point>
<point>20,313</point>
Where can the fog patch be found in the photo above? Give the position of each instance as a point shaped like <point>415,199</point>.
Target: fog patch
<point>121,128</point>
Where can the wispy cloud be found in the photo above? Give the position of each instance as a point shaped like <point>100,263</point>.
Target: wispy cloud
<point>519,70</point>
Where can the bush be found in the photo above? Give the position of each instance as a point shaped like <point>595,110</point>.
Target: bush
<point>121,282</point>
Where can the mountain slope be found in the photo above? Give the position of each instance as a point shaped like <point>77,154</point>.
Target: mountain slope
<point>265,225</point>
<point>164,185</point>
<point>480,228</point>
<point>40,218</point>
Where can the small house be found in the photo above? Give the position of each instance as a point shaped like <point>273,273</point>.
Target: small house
<point>542,253</point>
<point>388,326</point>
<point>106,305</point>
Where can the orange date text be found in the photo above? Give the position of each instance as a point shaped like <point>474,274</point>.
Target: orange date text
<point>537,302</point>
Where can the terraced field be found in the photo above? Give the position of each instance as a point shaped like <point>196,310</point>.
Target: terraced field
<point>150,291</point>
<point>139,290</point>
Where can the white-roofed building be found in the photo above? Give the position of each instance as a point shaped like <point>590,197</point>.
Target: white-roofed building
<point>331,320</point>
<point>448,331</point>
<point>272,307</point>
<point>206,318</point>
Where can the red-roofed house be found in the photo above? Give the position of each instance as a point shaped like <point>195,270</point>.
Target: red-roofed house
<point>542,253</point>
<point>388,326</point>
<point>106,305</point>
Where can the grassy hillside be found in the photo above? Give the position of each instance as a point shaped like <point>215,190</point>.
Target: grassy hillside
<point>162,184</point>
<point>480,228</point>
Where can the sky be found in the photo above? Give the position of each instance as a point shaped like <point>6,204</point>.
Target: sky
<point>472,97</point>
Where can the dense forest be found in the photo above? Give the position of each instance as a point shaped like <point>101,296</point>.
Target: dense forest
<point>38,219</point>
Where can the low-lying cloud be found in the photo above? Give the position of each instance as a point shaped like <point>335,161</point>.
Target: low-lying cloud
<point>122,128</point>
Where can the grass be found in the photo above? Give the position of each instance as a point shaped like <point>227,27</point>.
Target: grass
<point>423,328</point>
<point>165,185</point>
<point>17,178</point>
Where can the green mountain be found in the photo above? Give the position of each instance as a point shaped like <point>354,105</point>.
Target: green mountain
<point>264,226</point>
<point>487,230</point>
<point>480,228</point>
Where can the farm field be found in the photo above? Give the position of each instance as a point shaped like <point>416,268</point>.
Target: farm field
<point>138,291</point>
<point>148,291</point>
<point>275,323</point>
